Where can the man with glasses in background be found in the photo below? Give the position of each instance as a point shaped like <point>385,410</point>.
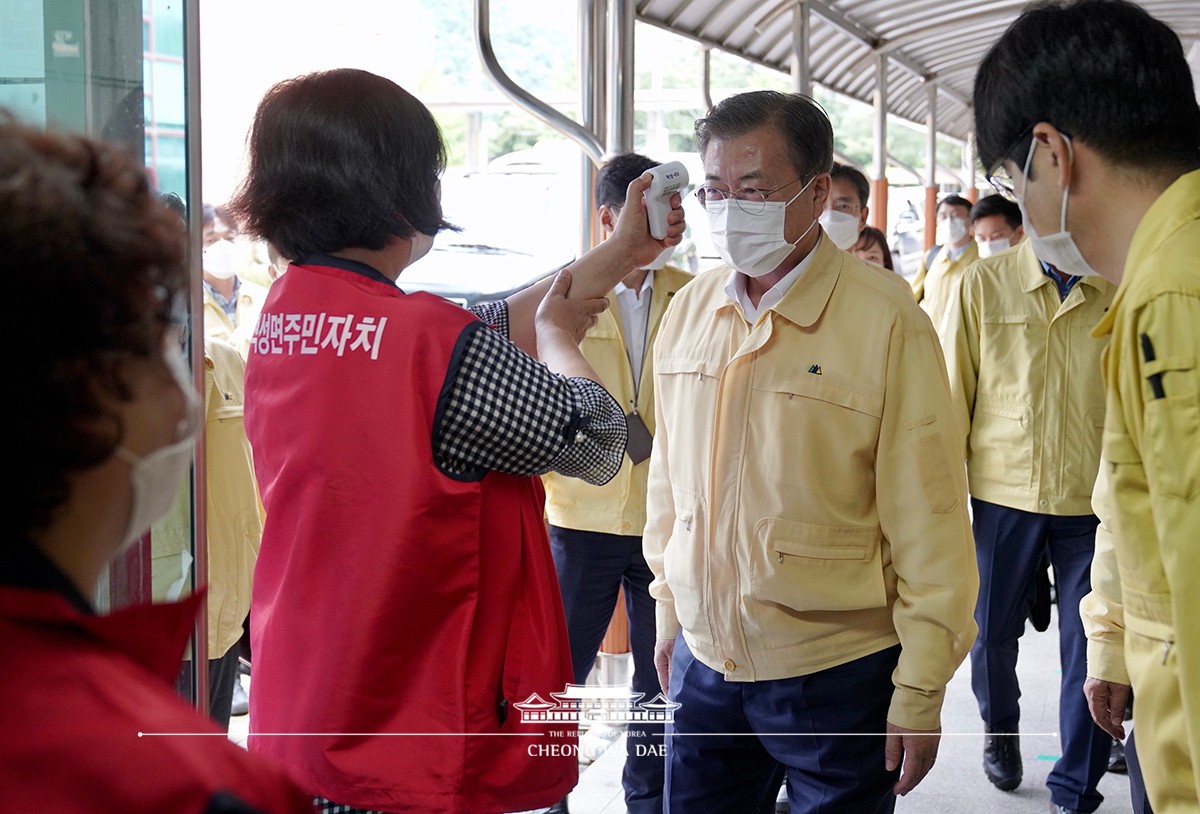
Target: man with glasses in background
<point>807,526</point>
<point>1086,105</point>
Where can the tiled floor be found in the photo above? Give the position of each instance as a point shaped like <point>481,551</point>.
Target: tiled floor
<point>957,784</point>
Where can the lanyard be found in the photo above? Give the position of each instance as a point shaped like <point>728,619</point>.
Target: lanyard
<point>637,384</point>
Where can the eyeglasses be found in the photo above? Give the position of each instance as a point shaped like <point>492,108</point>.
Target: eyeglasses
<point>999,176</point>
<point>750,200</point>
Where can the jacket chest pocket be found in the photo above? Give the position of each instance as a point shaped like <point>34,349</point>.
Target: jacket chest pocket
<point>817,434</point>
<point>1173,427</point>
<point>806,567</point>
<point>687,390</point>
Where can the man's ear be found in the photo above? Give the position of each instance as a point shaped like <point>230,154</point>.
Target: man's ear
<point>862,218</point>
<point>608,218</point>
<point>1060,155</point>
<point>1018,234</point>
<point>821,186</point>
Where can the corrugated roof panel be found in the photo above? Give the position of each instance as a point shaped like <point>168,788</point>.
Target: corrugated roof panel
<point>941,41</point>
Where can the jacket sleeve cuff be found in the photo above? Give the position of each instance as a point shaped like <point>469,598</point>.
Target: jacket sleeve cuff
<point>1106,661</point>
<point>911,709</point>
<point>666,623</point>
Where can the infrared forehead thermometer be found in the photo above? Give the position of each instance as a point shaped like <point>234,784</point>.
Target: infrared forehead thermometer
<point>669,178</point>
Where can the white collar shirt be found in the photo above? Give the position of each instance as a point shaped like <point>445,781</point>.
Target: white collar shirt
<point>736,288</point>
<point>634,307</point>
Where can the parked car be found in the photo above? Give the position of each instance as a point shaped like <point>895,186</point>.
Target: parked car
<point>519,224</point>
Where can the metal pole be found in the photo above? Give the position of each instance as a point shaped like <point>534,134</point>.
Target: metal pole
<point>586,139</point>
<point>879,162</point>
<point>931,187</point>
<point>706,80</point>
<point>971,189</point>
<point>621,76</point>
<point>195,229</point>
<point>801,68</point>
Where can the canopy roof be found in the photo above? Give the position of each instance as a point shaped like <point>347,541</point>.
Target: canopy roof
<point>927,41</point>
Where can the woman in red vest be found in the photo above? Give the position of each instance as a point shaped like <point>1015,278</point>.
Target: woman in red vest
<point>395,440</point>
<point>104,441</point>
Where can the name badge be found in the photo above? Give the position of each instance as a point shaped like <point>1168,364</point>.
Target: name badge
<point>640,439</point>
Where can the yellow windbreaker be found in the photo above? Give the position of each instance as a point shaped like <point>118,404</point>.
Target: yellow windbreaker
<point>618,507</point>
<point>1025,377</point>
<point>1151,457</point>
<point>807,500</point>
<point>935,284</point>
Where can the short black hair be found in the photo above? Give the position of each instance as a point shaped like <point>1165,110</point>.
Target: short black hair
<point>870,236</point>
<point>614,177</point>
<point>997,205</point>
<point>802,121</point>
<point>852,174</point>
<point>954,200</point>
<point>98,267</point>
<point>1102,71</point>
<point>341,159</point>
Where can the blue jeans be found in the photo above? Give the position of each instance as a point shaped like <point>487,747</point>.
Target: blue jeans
<point>1008,547</point>
<point>761,731</point>
<point>591,567</point>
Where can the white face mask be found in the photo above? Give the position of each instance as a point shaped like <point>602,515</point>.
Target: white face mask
<point>841,227</point>
<point>754,244</point>
<point>1058,249</point>
<point>156,476</point>
<point>989,247</point>
<point>218,260</point>
<point>951,231</point>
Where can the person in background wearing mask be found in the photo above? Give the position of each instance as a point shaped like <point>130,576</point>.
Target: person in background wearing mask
<point>1021,366</point>
<point>595,531</point>
<point>231,304</point>
<point>108,439</point>
<point>845,214</point>
<point>1090,109</point>
<point>996,222</point>
<point>943,265</point>
<point>806,520</point>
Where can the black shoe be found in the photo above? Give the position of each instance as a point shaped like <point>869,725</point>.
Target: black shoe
<point>1002,760</point>
<point>559,808</point>
<point>1116,758</point>
<point>1055,808</point>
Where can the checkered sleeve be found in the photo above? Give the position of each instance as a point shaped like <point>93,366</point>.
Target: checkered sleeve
<point>493,314</point>
<point>500,409</point>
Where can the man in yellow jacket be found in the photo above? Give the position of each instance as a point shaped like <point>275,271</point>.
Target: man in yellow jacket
<point>231,303</point>
<point>595,531</point>
<point>957,249</point>
<point>1022,371</point>
<point>1091,110</point>
<point>806,519</point>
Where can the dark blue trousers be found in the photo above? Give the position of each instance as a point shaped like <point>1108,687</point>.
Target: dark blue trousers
<point>1008,547</point>
<point>591,567</point>
<point>732,743</point>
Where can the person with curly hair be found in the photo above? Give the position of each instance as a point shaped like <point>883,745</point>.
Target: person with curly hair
<point>105,440</point>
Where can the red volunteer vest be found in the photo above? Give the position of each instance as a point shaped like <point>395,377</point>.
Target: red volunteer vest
<point>92,723</point>
<point>398,613</point>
